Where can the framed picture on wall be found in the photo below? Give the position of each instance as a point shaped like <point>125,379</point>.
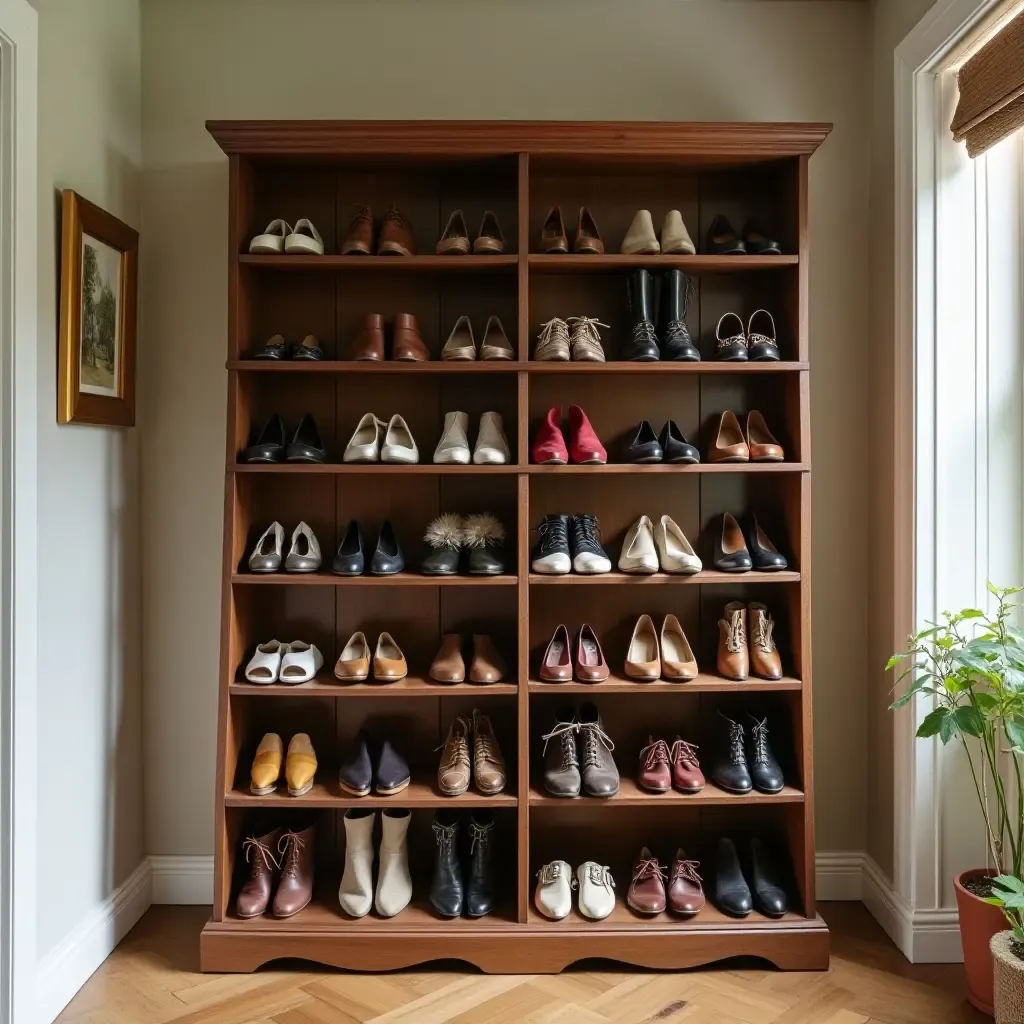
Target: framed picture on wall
<point>98,284</point>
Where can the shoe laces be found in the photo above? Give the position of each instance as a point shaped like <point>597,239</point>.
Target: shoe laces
<point>764,626</point>
<point>643,331</point>
<point>444,836</point>
<point>362,213</point>
<point>289,846</point>
<point>554,332</point>
<point>678,332</point>
<point>648,867</point>
<point>479,834</point>
<point>586,530</point>
<point>456,746</point>
<point>656,752</point>
<point>564,733</point>
<point>736,743</point>
<point>687,869</point>
<point>554,533</point>
<point>759,741</point>
<point>600,874</point>
<point>395,215</point>
<point>585,329</point>
<point>759,339</point>
<point>737,638</point>
<point>552,872</point>
<point>484,736</point>
<point>684,753</point>
<point>256,848</point>
<point>734,339</point>
<point>594,737</point>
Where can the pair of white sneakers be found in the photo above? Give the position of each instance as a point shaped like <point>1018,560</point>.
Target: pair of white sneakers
<point>491,448</point>
<point>555,882</point>
<point>280,236</point>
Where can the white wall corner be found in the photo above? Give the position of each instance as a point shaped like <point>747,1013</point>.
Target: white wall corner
<point>183,880</point>
<point>67,967</point>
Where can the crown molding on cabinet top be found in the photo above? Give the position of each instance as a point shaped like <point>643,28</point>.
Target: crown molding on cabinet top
<point>700,140</point>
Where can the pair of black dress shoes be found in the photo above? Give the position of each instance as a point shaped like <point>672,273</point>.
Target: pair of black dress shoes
<point>668,446</point>
<point>386,559</point>
<point>760,888</point>
<point>376,767</point>
<point>270,444</point>
<point>743,759</point>
<point>670,340</point>
<point>723,240</point>
<point>463,884</point>
<point>740,550</point>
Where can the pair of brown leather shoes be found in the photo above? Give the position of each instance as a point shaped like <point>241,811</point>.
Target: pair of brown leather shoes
<point>737,657</point>
<point>281,863</point>
<point>406,341</point>
<point>755,443</point>
<point>559,663</point>
<point>663,768</point>
<point>454,240</point>
<point>395,237</point>
<point>553,237</point>
<point>449,666</point>
<point>488,767</point>
<point>647,891</point>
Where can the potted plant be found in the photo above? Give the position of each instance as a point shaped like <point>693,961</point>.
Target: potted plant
<point>1008,950</point>
<point>971,666</point>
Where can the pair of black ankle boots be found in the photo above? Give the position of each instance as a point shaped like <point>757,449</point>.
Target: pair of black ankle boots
<point>463,884</point>
<point>661,336</point>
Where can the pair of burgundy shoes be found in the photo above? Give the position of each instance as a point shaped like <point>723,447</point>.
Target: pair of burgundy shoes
<point>584,447</point>
<point>663,767</point>
<point>557,665</point>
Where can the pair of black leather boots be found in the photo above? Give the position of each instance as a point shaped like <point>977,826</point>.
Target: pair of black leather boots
<point>670,340</point>
<point>743,758</point>
<point>760,886</point>
<point>463,884</point>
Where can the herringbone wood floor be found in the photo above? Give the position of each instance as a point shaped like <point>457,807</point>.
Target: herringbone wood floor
<point>152,978</point>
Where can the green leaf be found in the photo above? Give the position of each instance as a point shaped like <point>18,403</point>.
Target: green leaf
<point>925,633</point>
<point>900,702</point>
<point>1009,882</point>
<point>1013,678</point>
<point>969,720</point>
<point>1015,734</point>
<point>948,727</point>
<point>992,588</point>
<point>972,613</point>
<point>932,722</point>
<point>894,661</point>
<point>1015,902</point>
<point>985,701</point>
<point>970,659</point>
<point>992,901</point>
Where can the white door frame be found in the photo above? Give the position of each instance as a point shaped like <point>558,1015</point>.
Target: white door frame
<point>923,926</point>
<point>19,222</point>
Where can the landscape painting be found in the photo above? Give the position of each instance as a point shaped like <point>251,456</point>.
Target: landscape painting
<point>101,307</point>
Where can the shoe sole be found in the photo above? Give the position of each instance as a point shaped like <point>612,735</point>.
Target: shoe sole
<point>689,792</point>
<point>453,792</point>
<point>770,458</point>
<point>393,790</point>
<point>735,792</point>
<point>731,458</point>
<point>594,462</point>
<point>282,917</point>
<point>300,792</point>
<point>651,789</point>
<point>454,247</point>
<point>552,462</point>
<point>645,460</point>
<point>646,913</point>
<point>352,791</point>
<point>262,791</point>
<point>352,679</point>
<point>393,249</point>
<point>773,568</point>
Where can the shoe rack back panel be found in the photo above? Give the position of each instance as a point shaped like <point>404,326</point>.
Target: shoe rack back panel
<point>324,171</point>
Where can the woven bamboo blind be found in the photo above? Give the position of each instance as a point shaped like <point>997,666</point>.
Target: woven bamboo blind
<point>991,103</point>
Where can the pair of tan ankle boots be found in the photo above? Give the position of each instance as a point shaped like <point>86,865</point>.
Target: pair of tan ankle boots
<point>738,657</point>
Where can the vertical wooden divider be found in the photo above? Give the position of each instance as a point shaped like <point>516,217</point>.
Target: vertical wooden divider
<point>523,543</point>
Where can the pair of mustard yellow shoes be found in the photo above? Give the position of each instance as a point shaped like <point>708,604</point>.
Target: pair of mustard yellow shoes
<point>299,765</point>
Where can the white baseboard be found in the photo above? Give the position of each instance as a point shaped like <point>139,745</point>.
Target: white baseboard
<point>187,880</point>
<point>67,967</point>
<point>839,876</point>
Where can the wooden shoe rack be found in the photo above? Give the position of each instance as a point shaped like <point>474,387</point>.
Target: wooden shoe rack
<point>322,170</point>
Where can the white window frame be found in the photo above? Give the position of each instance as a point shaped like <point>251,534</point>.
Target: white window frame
<point>923,921</point>
<point>18,541</point>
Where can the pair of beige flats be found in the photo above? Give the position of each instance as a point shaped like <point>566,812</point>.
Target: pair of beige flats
<point>641,240</point>
<point>353,664</point>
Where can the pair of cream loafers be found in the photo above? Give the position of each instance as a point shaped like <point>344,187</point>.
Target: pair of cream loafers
<point>555,882</point>
<point>491,448</point>
<point>641,240</point>
<point>648,547</point>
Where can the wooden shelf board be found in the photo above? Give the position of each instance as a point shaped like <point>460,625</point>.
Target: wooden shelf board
<point>368,366</point>
<point>704,683</point>
<point>704,577</point>
<point>401,579</point>
<point>618,468</point>
<point>330,261</point>
<point>622,917</point>
<point>410,686</point>
<point>370,469</point>
<point>557,263</point>
<point>702,368</point>
<point>327,793</point>
<point>631,795</point>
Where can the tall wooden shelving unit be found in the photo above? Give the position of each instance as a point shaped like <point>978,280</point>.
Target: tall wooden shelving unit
<point>321,170</point>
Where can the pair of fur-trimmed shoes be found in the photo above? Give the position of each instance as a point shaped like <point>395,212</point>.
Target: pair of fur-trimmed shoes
<point>479,537</point>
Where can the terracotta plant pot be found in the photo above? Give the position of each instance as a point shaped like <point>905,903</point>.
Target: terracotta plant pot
<point>1008,970</point>
<point>979,921</point>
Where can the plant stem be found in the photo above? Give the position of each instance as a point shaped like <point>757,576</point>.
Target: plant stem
<point>982,801</point>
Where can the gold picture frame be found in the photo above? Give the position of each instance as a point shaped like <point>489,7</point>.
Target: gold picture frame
<point>98,308</point>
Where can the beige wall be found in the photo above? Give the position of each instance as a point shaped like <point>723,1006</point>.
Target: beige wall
<point>643,60</point>
<point>891,21</point>
<point>90,703</point>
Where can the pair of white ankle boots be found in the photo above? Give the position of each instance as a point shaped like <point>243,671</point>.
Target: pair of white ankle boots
<point>394,883</point>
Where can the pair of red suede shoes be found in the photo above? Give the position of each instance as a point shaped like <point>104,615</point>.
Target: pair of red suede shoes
<point>584,447</point>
